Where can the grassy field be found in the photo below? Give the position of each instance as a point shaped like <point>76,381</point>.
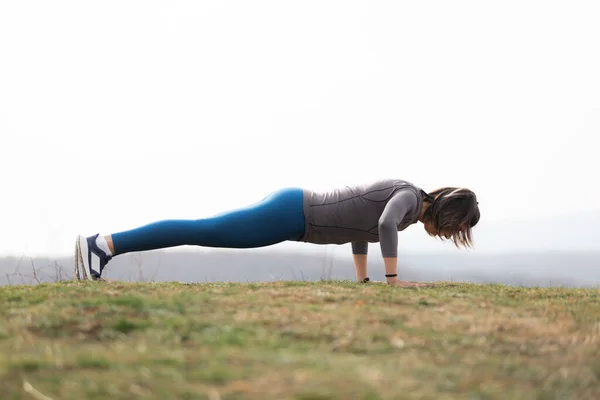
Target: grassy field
<point>301,341</point>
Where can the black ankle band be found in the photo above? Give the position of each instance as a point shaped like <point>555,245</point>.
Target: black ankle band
<point>366,280</point>
<point>390,275</point>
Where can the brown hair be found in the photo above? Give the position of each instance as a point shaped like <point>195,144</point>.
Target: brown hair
<point>454,212</point>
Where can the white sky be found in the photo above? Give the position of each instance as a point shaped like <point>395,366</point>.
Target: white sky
<point>114,114</point>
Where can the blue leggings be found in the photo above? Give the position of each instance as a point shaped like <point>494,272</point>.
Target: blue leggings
<point>276,218</point>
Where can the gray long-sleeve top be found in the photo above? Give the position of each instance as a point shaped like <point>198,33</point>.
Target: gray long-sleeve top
<point>372,212</point>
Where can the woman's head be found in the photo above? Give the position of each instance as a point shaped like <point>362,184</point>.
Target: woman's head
<point>451,214</point>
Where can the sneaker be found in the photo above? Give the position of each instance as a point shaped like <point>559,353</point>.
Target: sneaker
<point>90,260</point>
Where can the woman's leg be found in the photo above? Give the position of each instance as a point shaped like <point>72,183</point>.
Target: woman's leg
<point>276,218</point>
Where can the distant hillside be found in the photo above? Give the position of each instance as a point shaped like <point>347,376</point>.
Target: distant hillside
<point>330,262</point>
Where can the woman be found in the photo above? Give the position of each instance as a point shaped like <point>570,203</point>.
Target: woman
<point>373,212</point>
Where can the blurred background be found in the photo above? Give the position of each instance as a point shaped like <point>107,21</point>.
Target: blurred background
<point>117,114</point>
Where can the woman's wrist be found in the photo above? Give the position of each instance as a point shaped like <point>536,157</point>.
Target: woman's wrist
<point>360,264</point>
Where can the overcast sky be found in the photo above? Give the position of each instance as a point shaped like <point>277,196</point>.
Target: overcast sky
<point>114,114</point>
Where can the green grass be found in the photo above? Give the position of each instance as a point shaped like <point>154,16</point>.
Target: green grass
<point>298,341</point>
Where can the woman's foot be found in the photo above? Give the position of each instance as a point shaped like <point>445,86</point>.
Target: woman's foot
<point>90,260</point>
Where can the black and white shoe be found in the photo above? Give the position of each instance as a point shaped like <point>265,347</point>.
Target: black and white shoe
<point>90,260</point>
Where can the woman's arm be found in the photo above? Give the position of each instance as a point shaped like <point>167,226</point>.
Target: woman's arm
<point>359,253</point>
<point>393,214</point>
<point>360,264</point>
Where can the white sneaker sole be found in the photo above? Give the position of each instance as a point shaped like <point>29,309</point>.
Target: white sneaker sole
<point>82,268</point>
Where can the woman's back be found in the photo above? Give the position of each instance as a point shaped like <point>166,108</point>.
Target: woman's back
<point>352,213</point>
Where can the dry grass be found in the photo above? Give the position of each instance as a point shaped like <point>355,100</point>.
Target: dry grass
<point>290,340</point>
